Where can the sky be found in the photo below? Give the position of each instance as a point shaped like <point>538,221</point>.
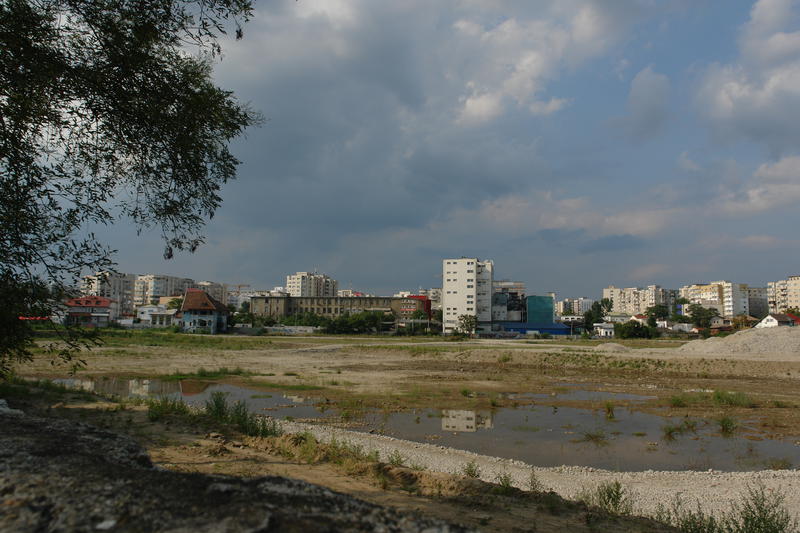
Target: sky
<point>577,143</point>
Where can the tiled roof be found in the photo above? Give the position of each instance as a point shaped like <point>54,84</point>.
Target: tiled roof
<point>198,300</point>
<point>89,301</point>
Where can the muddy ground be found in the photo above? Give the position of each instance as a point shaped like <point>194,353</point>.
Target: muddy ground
<point>396,375</point>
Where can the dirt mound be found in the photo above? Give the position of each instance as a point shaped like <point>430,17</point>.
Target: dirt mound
<point>611,347</point>
<point>750,341</point>
<point>56,475</point>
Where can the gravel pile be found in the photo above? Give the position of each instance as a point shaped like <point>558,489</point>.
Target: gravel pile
<point>713,489</point>
<point>751,341</point>
<point>611,347</point>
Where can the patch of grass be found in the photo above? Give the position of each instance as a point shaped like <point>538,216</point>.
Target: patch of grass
<point>597,437</point>
<point>610,497</point>
<point>639,434</point>
<point>609,408</point>
<point>727,425</point>
<point>505,485</point>
<point>239,416</point>
<point>776,463</point>
<point>396,459</point>
<point>732,399</point>
<point>466,393</point>
<point>781,404</point>
<point>291,374</point>
<point>158,408</point>
<point>217,405</point>
<point>532,429</point>
<point>505,358</point>
<point>534,483</point>
<point>285,386</point>
<point>471,469</point>
<point>181,340</point>
<point>203,374</point>
<point>759,511</point>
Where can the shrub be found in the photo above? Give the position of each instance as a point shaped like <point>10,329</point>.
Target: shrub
<point>610,497</point>
<point>217,405</point>
<point>727,425</point>
<point>396,459</point>
<point>159,407</point>
<point>472,470</point>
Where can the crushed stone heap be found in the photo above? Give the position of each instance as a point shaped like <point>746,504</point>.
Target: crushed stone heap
<point>780,340</point>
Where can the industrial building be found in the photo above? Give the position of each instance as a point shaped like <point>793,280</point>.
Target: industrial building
<point>336,306</point>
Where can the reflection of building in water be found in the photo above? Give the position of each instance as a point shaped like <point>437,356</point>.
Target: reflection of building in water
<point>458,420</point>
<point>124,387</point>
<point>294,399</point>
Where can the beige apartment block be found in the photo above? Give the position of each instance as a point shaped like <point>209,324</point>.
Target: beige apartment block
<point>116,286</point>
<point>467,290</point>
<point>311,284</point>
<point>783,294</point>
<point>636,300</point>
<point>150,287</point>
<point>731,298</point>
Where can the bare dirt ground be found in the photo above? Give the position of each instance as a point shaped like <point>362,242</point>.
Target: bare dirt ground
<point>396,375</point>
<point>186,446</point>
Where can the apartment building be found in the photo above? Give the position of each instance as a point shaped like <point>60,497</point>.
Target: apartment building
<point>573,306</point>
<point>218,291</point>
<point>758,301</point>
<point>277,306</point>
<point>150,287</point>
<point>467,290</point>
<point>311,284</point>
<point>783,294</point>
<point>116,286</point>
<point>636,300</point>
<point>731,299</point>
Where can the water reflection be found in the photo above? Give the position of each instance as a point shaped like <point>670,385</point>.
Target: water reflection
<point>470,421</point>
<point>544,436</point>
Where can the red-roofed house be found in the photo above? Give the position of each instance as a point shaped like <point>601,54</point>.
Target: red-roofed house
<point>794,317</point>
<point>90,311</point>
<point>202,313</point>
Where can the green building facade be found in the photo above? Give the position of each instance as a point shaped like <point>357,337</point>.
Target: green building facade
<point>541,309</point>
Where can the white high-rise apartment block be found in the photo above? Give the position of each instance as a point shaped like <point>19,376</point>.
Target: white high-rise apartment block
<point>467,290</point>
<point>150,287</point>
<point>311,284</point>
<point>783,294</point>
<point>117,286</point>
<point>731,299</point>
<point>636,300</point>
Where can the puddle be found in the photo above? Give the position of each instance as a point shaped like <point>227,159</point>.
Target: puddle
<point>540,435</point>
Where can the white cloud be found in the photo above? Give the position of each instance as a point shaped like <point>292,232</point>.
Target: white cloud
<point>480,108</point>
<point>774,185</point>
<point>514,61</point>
<point>648,103</point>
<point>758,96</point>
<point>549,107</point>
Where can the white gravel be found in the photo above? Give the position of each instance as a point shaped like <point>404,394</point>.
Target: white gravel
<point>780,340</point>
<point>714,490</point>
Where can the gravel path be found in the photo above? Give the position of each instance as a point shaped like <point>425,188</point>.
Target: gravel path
<point>713,489</point>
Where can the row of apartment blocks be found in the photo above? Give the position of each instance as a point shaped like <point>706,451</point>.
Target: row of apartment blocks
<point>728,298</point>
<point>128,291</point>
